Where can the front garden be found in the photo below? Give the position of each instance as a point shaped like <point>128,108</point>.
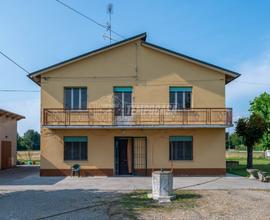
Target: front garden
<point>258,163</point>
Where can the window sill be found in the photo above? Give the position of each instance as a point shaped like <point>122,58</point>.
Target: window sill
<point>76,110</point>
<point>68,161</point>
<point>181,160</point>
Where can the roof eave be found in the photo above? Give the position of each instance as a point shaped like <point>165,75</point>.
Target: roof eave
<point>230,73</point>
<point>91,53</point>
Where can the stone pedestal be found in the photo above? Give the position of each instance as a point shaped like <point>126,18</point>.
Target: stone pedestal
<point>162,186</point>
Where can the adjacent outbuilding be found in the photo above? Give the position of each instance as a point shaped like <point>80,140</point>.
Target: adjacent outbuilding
<point>8,138</point>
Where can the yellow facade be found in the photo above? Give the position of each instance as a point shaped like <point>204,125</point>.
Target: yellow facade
<point>150,72</point>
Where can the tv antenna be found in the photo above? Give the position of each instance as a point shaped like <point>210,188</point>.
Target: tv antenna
<point>109,24</point>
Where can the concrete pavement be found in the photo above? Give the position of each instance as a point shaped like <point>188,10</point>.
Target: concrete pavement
<point>27,178</point>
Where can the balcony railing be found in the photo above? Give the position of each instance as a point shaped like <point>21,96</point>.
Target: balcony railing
<point>136,117</point>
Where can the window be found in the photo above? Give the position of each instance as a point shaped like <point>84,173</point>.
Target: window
<point>181,148</point>
<point>122,101</point>
<point>75,98</point>
<point>75,148</point>
<point>180,97</point>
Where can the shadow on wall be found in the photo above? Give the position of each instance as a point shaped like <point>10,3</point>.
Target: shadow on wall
<point>62,204</point>
<point>110,63</point>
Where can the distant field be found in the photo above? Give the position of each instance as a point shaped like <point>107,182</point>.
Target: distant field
<point>24,155</point>
<point>243,154</point>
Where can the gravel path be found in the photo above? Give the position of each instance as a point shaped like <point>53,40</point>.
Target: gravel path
<point>220,204</point>
<point>25,195</point>
<point>89,204</point>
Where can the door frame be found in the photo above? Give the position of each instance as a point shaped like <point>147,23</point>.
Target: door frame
<point>116,163</point>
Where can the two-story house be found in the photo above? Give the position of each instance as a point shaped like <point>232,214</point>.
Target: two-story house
<point>133,107</point>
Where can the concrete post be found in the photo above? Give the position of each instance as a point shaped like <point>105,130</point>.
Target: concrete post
<point>162,186</point>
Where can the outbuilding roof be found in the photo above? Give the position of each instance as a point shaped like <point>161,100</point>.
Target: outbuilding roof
<point>11,115</point>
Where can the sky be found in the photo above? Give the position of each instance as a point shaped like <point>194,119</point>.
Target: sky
<point>228,33</point>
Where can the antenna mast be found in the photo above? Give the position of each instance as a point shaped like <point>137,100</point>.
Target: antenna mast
<point>109,24</point>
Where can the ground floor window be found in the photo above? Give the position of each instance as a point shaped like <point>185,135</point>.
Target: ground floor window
<point>75,148</point>
<point>181,148</point>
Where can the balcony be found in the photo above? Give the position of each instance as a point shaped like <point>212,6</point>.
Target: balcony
<point>138,118</point>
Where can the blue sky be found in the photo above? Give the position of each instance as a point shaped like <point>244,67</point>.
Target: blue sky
<point>232,34</point>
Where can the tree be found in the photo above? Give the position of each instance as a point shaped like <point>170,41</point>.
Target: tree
<point>234,140</point>
<point>30,140</point>
<point>251,129</point>
<point>261,105</point>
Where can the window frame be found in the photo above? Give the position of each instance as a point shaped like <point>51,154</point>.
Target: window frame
<point>67,160</point>
<point>174,106</point>
<point>171,157</point>
<point>80,98</point>
<point>125,110</point>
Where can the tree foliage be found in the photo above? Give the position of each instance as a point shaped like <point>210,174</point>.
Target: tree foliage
<point>234,141</point>
<point>251,129</point>
<point>261,105</point>
<point>29,141</point>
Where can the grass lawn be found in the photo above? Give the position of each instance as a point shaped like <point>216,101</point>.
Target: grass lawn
<point>261,164</point>
<point>138,201</point>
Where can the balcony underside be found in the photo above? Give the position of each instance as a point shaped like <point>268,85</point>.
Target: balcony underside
<point>134,118</point>
<point>132,126</point>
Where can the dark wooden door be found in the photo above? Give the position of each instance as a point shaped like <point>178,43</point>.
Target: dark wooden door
<point>123,157</point>
<point>6,155</point>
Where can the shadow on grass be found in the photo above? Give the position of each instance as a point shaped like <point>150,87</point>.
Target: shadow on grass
<point>138,201</point>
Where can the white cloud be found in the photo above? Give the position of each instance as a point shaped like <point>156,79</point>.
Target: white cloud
<point>254,80</point>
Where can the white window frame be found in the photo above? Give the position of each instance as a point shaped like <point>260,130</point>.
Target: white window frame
<point>72,96</point>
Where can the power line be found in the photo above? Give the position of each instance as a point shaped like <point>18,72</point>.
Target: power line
<point>14,62</point>
<point>87,17</point>
<point>17,90</point>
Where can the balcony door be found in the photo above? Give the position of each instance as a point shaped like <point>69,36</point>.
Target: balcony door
<point>180,97</point>
<point>122,104</point>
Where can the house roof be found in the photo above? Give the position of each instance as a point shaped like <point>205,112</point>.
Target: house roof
<point>11,115</point>
<point>230,75</point>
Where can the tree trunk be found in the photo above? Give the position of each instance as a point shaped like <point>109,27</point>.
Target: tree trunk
<point>249,157</point>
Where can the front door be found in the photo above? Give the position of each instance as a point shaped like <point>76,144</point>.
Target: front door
<point>123,156</point>
<point>6,155</point>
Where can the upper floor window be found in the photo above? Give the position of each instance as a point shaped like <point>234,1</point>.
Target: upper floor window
<point>122,101</point>
<point>180,97</point>
<point>75,98</point>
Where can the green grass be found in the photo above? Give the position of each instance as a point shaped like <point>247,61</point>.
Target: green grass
<point>260,163</point>
<point>138,201</point>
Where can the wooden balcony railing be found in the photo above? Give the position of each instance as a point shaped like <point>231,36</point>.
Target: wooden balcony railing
<point>138,117</point>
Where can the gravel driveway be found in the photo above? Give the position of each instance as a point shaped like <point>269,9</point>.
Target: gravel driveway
<point>25,195</point>
<point>220,204</point>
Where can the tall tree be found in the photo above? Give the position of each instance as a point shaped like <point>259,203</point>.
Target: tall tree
<point>261,105</point>
<point>29,141</point>
<point>251,129</point>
